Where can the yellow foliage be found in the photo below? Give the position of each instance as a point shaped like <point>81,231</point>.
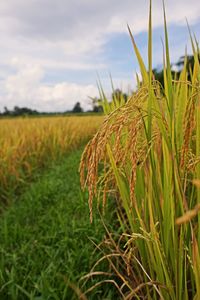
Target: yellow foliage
<point>28,144</point>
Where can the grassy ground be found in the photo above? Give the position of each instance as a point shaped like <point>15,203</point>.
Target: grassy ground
<point>44,238</point>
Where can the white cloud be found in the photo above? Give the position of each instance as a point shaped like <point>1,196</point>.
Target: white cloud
<point>83,27</point>
<point>64,95</point>
<point>71,35</point>
<point>27,88</point>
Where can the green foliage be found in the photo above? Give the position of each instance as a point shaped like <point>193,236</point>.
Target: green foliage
<point>19,111</point>
<point>189,59</point>
<point>77,108</point>
<point>45,246</point>
<point>150,148</point>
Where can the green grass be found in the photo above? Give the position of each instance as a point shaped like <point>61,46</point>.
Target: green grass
<point>45,238</point>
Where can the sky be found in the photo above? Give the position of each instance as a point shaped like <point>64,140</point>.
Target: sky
<point>53,51</point>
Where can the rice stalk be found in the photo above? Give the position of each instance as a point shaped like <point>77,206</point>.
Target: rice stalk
<point>150,150</point>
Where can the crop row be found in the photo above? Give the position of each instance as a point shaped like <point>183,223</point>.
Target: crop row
<point>29,144</point>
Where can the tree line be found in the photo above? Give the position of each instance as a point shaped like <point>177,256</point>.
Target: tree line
<point>96,103</point>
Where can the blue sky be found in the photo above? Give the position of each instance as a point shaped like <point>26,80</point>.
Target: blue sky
<point>52,50</point>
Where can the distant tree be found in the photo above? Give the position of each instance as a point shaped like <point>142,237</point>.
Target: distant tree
<point>97,109</point>
<point>23,111</point>
<point>189,65</point>
<point>158,74</point>
<point>19,111</point>
<point>6,111</point>
<point>119,95</point>
<point>77,108</point>
<point>96,104</point>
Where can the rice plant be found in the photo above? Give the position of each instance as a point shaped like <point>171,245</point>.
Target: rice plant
<point>29,144</point>
<point>150,151</point>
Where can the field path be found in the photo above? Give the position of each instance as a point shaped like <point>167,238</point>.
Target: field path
<point>44,236</point>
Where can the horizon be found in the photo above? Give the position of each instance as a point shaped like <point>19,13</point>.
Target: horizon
<point>51,52</point>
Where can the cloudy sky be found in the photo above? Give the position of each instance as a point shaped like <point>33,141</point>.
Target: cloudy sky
<point>52,50</point>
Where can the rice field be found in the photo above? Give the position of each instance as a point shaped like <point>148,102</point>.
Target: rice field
<point>145,155</point>
<point>45,230</point>
<point>29,144</point>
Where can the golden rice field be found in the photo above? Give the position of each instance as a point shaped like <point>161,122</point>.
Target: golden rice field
<point>28,144</point>
<point>146,157</point>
